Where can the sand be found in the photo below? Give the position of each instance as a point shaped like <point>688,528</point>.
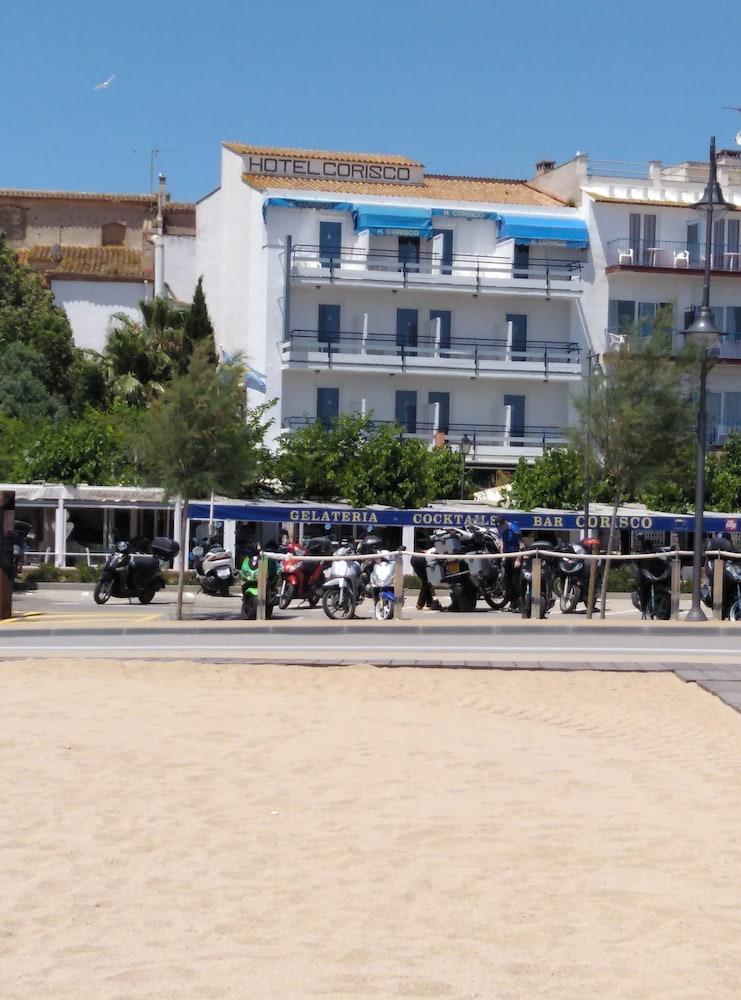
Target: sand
<point>223,831</point>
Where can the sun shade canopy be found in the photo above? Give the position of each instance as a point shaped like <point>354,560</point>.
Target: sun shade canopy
<point>567,232</point>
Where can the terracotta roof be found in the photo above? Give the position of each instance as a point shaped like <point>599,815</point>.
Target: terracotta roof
<point>140,199</point>
<point>435,187</point>
<point>114,263</point>
<point>322,154</point>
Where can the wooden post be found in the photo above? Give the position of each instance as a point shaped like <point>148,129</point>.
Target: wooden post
<point>593,564</point>
<point>398,586</point>
<point>536,586</point>
<point>7,527</point>
<point>718,578</point>
<point>676,584</point>
<point>262,588</point>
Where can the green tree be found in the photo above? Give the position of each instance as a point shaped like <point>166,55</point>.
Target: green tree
<point>198,326</point>
<point>138,367</point>
<point>636,417</point>
<point>724,481</point>
<point>23,389</point>
<point>165,323</point>
<point>556,480</point>
<point>313,460</point>
<point>199,438</point>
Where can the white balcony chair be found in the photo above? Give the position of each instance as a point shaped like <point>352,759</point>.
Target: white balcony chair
<point>681,258</point>
<point>625,256</point>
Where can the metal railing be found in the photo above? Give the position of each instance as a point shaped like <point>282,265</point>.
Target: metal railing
<point>618,168</point>
<point>480,435</point>
<point>415,350</point>
<point>348,263</point>
<point>679,254</point>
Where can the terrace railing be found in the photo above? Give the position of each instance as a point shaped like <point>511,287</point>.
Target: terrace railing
<point>678,254</point>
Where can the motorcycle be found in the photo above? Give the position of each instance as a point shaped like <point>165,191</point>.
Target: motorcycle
<point>652,596</point>
<point>303,579</point>
<point>249,572</point>
<point>731,608</point>
<point>127,574</point>
<point>571,576</point>
<point>545,598</point>
<point>343,587</point>
<point>468,578</point>
<point>382,587</point>
<point>213,565</point>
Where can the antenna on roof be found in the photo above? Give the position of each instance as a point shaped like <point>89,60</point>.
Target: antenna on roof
<point>154,152</point>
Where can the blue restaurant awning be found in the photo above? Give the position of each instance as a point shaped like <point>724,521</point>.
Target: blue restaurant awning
<point>335,206</point>
<point>392,220</point>
<point>568,232</point>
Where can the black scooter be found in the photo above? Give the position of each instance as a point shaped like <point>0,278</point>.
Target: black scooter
<point>545,599</point>
<point>128,574</point>
<point>652,596</point>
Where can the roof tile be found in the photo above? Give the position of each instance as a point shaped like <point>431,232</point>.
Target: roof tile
<point>322,154</point>
<point>120,263</point>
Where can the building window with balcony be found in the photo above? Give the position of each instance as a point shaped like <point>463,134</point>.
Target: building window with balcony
<point>409,253</point>
<point>330,243</point>
<point>443,410</point>
<point>441,323</point>
<point>407,327</point>
<point>622,314</point>
<point>327,406</point>
<point>113,234</point>
<point>724,415</point>
<point>328,324</point>
<point>406,410</point>
<point>521,261</point>
<point>693,244</point>
<point>514,419</point>
<point>518,323</point>
<point>442,250</point>
<point>642,238</point>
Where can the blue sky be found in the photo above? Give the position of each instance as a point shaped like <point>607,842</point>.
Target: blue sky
<point>471,87</point>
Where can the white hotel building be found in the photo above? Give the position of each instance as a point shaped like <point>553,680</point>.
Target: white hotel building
<point>359,282</point>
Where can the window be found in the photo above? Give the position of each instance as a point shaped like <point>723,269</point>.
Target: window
<point>406,410</point>
<point>407,325</point>
<point>445,318</point>
<point>328,324</point>
<point>733,322</point>
<point>327,406</point>
<point>642,237</point>
<point>521,262</point>
<point>330,243</point>
<point>113,234</point>
<point>623,313</point>
<point>516,421</point>
<point>719,240</point>
<point>409,253</point>
<point>442,242</point>
<point>693,243</point>
<point>519,335</point>
<point>443,409</point>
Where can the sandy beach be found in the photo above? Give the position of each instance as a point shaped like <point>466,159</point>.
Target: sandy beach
<point>222,831</point>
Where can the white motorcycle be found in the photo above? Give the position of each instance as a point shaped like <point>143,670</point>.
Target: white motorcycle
<point>214,566</point>
<point>382,587</point>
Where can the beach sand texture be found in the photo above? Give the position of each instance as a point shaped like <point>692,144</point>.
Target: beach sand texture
<point>223,831</point>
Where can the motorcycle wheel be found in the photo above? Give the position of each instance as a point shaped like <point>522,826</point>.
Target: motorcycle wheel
<point>249,607</point>
<point>287,594</point>
<point>495,597</point>
<point>569,598</point>
<point>384,610</point>
<point>558,586</point>
<point>462,597</point>
<point>663,607</point>
<point>146,596</point>
<point>338,606</point>
<point>734,614</point>
<point>102,591</point>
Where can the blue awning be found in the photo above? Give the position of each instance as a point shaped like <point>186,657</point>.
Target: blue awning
<point>333,206</point>
<point>464,213</point>
<point>567,232</point>
<point>390,220</point>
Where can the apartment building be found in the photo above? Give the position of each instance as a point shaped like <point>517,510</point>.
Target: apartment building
<point>647,244</point>
<point>102,253</point>
<point>359,282</point>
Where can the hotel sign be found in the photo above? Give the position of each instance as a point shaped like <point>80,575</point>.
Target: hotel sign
<point>331,169</point>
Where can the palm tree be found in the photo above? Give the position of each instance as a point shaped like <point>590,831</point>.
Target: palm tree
<point>138,367</point>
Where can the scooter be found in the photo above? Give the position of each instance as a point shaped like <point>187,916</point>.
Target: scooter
<point>127,574</point>
<point>249,572</point>
<point>213,565</point>
<point>303,579</point>
<point>731,588</point>
<point>343,587</point>
<point>469,577</point>
<point>652,596</point>
<point>545,598</point>
<point>382,587</point>
<point>571,576</point>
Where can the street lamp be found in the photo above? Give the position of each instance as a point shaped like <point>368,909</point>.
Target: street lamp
<point>465,449</point>
<point>703,331</point>
<point>593,368</point>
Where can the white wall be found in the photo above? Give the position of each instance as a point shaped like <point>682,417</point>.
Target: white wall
<point>180,266</point>
<point>91,304</point>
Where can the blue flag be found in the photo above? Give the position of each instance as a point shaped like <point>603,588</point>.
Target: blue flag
<point>254,379</point>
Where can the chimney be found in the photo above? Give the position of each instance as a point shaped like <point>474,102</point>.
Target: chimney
<point>543,167</point>
<point>162,198</point>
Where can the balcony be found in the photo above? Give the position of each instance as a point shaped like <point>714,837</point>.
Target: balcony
<point>469,273</point>
<point>670,256</point>
<point>492,444</point>
<point>718,434</point>
<point>468,357</point>
<point>728,347</point>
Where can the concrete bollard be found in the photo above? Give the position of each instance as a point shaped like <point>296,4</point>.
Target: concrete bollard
<point>399,587</point>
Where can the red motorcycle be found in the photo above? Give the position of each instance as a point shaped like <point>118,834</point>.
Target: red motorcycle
<point>303,580</point>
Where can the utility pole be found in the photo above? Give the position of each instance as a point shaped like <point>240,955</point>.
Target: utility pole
<point>7,524</point>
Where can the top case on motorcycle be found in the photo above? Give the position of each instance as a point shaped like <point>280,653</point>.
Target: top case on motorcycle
<point>144,567</point>
<point>165,548</point>
<point>320,546</point>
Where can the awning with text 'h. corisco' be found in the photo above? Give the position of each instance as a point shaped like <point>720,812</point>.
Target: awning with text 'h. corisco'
<point>562,231</point>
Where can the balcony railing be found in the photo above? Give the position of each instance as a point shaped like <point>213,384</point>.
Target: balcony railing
<point>671,254</point>
<point>472,354</point>
<point>718,433</point>
<point>728,346</point>
<point>482,436</point>
<point>468,270</point>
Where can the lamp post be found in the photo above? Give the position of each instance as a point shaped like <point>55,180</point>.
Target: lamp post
<point>593,368</point>
<point>465,449</point>
<point>704,332</point>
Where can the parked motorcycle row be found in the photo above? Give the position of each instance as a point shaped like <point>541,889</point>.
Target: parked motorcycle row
<point>307,574</point>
